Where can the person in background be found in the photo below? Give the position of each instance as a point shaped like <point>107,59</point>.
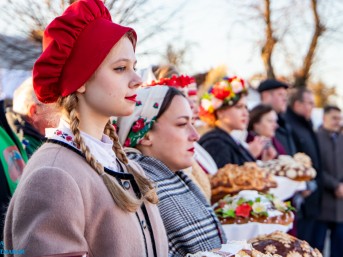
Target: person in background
<point>298,116</point>
<point>331,148</point>
<point>203,163</point>
<point>159,135</point>
<point>79,195</point>
<point>12,163</point>
<point>224,108</point>
<point>29,118</point>
<point>274,93</point>
<point>263,122</point>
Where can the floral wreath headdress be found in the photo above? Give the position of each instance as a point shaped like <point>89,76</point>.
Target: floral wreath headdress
<point>226,92</point>
<point>185,84</point>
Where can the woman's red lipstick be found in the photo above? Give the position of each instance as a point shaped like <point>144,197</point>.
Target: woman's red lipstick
<point>191,150</point>
<point>131,98</point>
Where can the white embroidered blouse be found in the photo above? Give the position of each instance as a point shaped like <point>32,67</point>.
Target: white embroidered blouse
<point>101,149</point>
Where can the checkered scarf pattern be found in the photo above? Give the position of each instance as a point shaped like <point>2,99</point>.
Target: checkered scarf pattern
<point>190,221</point>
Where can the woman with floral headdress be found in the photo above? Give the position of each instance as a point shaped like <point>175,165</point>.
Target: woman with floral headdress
<point>224,108</point>
<point>161,138</point>
<point>79,195</point>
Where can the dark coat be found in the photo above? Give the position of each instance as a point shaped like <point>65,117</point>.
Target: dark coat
<point>331,153</point>
<point>284,135</point>
<point>306,142</point>
<point>224,149</point>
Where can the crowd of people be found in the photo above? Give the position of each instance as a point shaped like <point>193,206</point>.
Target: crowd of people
<point>97,162</point>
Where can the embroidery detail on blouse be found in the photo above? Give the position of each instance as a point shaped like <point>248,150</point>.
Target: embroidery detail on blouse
<point>102,150</point>
<point>66,137</point>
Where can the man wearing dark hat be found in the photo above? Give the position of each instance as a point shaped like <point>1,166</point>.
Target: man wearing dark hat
<point>274,93</point>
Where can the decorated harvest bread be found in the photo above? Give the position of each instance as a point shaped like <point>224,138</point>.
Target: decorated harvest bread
<point>230,249</point>
<point>252,206</point>
<point>276,244</point>
<point>299,167</point>
<point>233,178</point>
<point>242,253</point>
<point>284,245</point>
<point>226,251</point>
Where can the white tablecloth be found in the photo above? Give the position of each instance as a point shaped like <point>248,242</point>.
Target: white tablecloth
<point>252,229</point>
<point>286,187</point>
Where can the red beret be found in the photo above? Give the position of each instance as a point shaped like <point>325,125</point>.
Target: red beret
<point>74,45</point>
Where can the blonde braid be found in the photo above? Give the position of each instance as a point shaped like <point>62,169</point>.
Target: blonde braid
<point>109,131</point>
<point>146,187</point>
<point>121,197</point>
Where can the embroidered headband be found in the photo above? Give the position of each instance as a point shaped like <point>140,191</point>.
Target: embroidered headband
<point>132,129</point>
<point>226,92</point>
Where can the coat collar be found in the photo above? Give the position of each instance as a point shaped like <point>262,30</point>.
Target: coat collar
<point>155,166</point>
<point>239,148</point>
<point>329,133</point>
<point>298,118</point>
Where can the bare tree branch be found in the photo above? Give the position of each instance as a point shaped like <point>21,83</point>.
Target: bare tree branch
<point>293,33</point>
<point>303,74</point>
<point>267,49</point>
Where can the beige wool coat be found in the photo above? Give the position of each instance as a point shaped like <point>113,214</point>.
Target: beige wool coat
<point>62,208</point>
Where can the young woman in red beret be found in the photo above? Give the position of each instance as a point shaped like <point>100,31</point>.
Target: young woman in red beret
<point>79,195</point>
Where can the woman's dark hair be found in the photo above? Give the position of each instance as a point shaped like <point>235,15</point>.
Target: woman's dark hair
<point>257,113</point>
<point>172,91</point>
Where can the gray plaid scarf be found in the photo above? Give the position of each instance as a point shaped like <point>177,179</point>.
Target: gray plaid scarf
<point>190,221</point>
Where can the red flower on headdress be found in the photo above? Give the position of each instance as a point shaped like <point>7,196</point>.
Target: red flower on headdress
<point>243,210</point>
<point>220,92</point>
<point>115,126</point>
<point>127,142</point>
<point>139,124</point>
<point>174,81</point>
